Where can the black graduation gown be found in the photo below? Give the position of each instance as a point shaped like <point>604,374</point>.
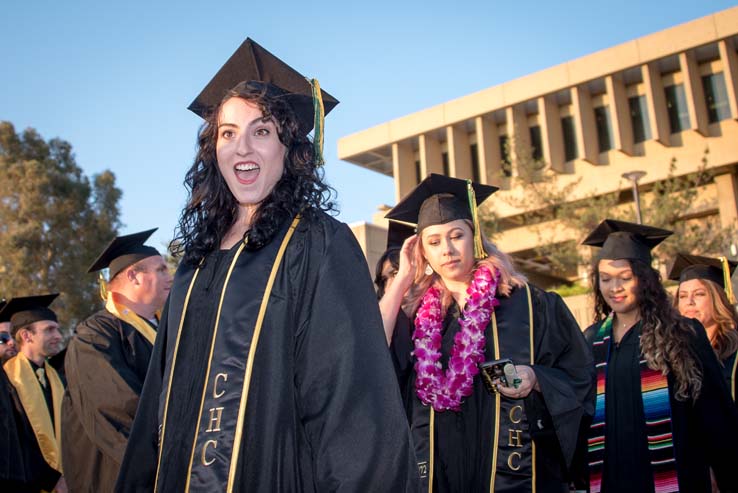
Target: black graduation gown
<point>106,366</point>
<point>401,346</point>
<point>729,373</point>
<point>323,410</point>
<point>12,468</point>
<point>464,441</point>
<point>705,432</point>
<point>38,474</point>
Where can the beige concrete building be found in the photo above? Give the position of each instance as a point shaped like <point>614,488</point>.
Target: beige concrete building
<point>635,106</point>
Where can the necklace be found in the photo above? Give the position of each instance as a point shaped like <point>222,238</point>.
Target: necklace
<point>445,390</point>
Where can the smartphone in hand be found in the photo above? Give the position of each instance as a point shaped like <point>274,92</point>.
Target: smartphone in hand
<point>501,369</point>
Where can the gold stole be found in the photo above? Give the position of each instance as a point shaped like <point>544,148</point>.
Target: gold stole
<point>21,375</point>
<point>124,313</point>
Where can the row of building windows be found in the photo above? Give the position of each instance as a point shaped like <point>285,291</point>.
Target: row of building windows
<point>716,100</point>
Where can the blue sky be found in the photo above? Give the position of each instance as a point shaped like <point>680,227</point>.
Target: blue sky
<point>115,80</point>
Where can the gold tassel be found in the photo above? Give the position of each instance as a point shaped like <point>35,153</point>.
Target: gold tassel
<point>727,281</point>
<point>479,252</point>
<point>103,286</point>
<point>319,123</point>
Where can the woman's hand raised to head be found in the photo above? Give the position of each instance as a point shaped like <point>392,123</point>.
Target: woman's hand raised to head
<point>406,270</point>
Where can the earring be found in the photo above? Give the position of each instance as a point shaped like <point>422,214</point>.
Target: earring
<point>428,270</point>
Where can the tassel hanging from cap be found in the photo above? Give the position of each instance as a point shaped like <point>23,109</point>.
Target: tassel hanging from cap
<point>479,252</point>
<point>319,112</point>
<point>103,286</point>
<point>727,281</point>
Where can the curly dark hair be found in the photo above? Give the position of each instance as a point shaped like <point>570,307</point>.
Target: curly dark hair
<point>211,209</point>
<point>665,335</point>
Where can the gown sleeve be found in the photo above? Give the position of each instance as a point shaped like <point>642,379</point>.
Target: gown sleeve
<point>138,470</point>
<point>348,395</point>
<point>12,468</point>
<point>715,419</point>
<point>565,372</point>
<point>103,389</point>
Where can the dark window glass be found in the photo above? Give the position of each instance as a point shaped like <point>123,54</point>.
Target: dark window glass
<point>474,162</point>
<point>716,97</point>
<point>536,144</point>
<point>570,138</point>
<point>676,105</point>
<point>418,177</point>
<point>639,119</point>
<point>444,161</point>
<point>505,155</point>
<point>604,129</point>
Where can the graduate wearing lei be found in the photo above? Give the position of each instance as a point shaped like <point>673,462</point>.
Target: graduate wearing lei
<point>470,305</point>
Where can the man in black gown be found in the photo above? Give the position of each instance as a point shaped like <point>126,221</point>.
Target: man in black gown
<point>35,392</point>
<point>106,363</point>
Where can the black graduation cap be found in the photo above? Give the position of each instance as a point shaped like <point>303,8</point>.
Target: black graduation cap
<point>624,240</point>
<point>397,233</point>
<point>437,200</point>
<point>23,311</point>
<point>253,66</point>
<point>123,251</point>
<point>686,267</point>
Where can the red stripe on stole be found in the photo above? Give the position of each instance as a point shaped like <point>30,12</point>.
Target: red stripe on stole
<point>666,482</point>
<point>596,441</point>
<point>600,383</point>
<point>658,438</point>
<point>652,380</point>
<point>595,482</point>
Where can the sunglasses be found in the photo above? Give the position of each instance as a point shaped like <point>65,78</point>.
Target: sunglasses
<point>4,338</point>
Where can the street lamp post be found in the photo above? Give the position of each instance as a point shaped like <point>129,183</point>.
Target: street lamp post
<point>634,176</point>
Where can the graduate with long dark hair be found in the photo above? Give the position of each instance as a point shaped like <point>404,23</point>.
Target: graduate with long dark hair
<point>663,416</point>
<point>270,371</point>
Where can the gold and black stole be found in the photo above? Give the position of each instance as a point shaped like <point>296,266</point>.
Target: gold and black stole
<point>48,435</point>
<point>215,449</point>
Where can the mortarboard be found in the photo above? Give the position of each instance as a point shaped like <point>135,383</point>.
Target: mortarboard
<point>718,270</point>
<point>253,67</point>
<point>686,267</point>
<point>123,251</point>
<point>624,240</point>
<point>397,233</point>
<point>26,310</point>
<point>440,199</point>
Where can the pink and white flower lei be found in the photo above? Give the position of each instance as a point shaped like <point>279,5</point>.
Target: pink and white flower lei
<point>445,391</point>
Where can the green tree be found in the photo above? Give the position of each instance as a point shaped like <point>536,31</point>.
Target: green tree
<point>667,204</point>
<point>54,221</point>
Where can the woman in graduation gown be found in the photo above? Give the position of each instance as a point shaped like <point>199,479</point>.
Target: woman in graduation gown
<point>705,293</point>
<point>663,416</point>
<point>471,305</point>
<point>270,371</point>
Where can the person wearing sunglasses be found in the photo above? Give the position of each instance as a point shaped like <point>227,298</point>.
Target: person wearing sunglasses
<point>7,344</point>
